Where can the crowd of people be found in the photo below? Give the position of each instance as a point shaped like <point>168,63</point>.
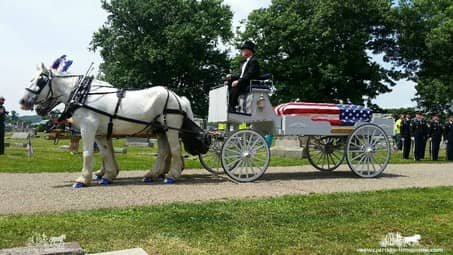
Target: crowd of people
<point>413,135</point>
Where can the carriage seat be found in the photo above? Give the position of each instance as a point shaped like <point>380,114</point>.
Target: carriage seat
<point>264,82</point>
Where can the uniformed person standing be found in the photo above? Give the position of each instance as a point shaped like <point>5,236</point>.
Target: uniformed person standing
<point>3,114</point>
<point>405,132</point>
<point>448,136</point>
<point>419,132</point>
<point>435,133</point>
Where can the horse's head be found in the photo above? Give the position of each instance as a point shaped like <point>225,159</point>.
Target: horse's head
<point>40,92</point>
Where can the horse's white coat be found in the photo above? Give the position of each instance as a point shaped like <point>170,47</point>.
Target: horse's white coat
<point>142,105</point>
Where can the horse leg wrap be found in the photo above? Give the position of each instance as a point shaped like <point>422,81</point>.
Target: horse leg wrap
<point>105,181</point>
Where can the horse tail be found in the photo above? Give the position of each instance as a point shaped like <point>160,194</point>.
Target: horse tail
<point>186,107</point>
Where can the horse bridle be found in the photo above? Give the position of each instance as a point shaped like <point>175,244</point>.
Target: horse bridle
<point>43,80</point>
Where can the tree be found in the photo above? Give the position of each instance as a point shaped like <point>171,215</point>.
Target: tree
<point>317,49</point>
<point>172,43</point>
<point>13,117</point>
<point>425,46</point>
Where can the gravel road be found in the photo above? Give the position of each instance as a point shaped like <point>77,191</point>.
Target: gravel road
<point>49,192</point>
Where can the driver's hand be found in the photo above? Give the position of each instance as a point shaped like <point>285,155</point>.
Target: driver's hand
<point>235,83</point>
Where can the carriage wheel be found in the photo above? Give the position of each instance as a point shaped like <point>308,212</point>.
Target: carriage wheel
<point>245,156</point>
<point>368,151</point>
<point>211,160</point>
<point>326,153</point>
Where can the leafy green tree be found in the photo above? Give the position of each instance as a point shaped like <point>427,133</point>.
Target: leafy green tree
<point>13,117</point>
<point>425,46</point>
<point>173,43</point>
<point>317,49</point>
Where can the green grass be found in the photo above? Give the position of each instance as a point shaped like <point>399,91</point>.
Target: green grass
<point>314,224</point>
<point>49,158</point>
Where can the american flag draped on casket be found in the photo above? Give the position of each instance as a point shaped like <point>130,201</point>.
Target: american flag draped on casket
<point>335,114</point>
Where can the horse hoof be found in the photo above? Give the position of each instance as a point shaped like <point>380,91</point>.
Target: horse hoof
<point>78,185</point>
<point>148,179</point>
<point>104,181</point>
<point>169,180</point>
<point>98,177</point>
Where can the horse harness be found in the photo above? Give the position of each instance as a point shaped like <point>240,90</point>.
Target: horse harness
<point>81,91</point>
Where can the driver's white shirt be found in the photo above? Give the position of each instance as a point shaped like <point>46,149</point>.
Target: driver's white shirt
<point>244,66</point>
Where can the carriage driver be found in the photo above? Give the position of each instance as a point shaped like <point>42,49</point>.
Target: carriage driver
<point>249,70</point>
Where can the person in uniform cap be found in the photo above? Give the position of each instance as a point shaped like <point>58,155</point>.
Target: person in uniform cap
<point>419,132</point>
<point>249,70</point>
<point>435,132</point>
<point>3,114</point>
<point>448,136</point>
<point>405,131</point>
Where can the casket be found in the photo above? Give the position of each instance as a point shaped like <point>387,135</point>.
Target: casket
<point>335,114</point>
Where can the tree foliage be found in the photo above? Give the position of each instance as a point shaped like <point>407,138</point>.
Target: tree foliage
<point>12,117</point>
<point>425,46</point>
<point>317,49</point>
<point>172,43</point>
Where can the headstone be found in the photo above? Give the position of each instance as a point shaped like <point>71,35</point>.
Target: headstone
<point>20,145</point>
<point>120,150</point>
<point>64,147</point>
<point>20,135</point>
<point>153,154</point>
<point>138,142</point>
<point>136,251</point>
<point>72,248</point>
<point>153,142</point>
<point>19,139</point>
<point>288,147</point>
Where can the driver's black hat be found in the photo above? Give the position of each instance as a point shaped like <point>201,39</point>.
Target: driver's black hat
<point>248,45</point>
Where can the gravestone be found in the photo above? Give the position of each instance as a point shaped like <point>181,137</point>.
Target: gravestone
<point>18,139</point>
<point>20,135</point>
<point>120,150</point>
<point>72,248</point>
<point>136,251</point>
<point>289,147</point>
<point>138,142</point>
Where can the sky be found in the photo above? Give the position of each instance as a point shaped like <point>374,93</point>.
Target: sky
<point>40,31</point>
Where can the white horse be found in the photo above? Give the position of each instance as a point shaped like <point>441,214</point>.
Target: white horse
<point>48,89</point>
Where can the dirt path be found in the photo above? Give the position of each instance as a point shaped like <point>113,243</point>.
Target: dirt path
<point>45,192</point>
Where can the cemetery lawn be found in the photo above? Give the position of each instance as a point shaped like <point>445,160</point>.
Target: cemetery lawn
<point>337,223</point>
<point>48,157</point>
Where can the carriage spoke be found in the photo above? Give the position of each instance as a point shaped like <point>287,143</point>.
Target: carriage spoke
<point>234,163</point>
<point>332,159</point>
<point>336,156</point>
<point>360,155</point>
<point>327,158</point>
